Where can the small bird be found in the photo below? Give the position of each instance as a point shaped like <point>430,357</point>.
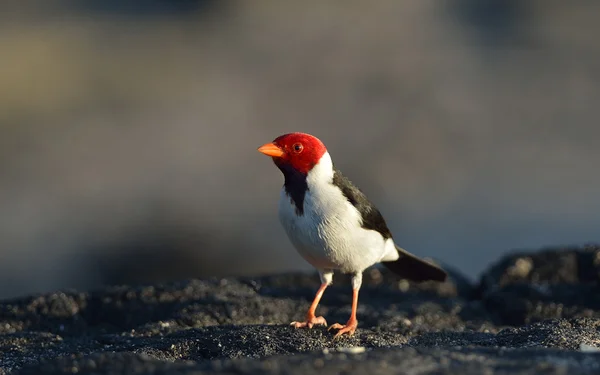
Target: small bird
<point>333,225</point>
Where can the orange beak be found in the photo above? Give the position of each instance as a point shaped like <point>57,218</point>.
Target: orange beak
<point>271,149</point>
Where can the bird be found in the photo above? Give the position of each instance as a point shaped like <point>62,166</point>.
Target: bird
<point>333,225</point>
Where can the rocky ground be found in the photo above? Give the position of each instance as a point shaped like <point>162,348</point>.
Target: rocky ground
<point>530,313</point>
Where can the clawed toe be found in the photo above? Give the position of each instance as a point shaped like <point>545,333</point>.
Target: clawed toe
<point>335,326</point>
<point>347,329</point>
<point>310,322</point>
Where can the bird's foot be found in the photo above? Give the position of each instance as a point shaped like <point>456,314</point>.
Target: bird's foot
<point>310,322</point>
<point>347,329</point>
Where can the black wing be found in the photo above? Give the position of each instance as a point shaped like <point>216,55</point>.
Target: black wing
<point>371,217</point>
<point>409,266</point>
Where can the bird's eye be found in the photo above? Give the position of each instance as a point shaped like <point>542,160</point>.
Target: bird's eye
<point>298,148</point>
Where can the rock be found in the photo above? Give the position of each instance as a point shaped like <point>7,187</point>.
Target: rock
<point>558,334</point>
<point>553,283</point>
<point>571,266</point>
<point>240,325</point>
<point>393,360</point>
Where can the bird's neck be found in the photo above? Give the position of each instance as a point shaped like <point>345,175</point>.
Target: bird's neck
<point>296,183</point>
<point>322,172</point>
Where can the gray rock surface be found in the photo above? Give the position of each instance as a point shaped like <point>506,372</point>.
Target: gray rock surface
<point>531,313</point>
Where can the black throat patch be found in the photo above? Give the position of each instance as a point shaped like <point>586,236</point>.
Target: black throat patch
<point>295,186</point>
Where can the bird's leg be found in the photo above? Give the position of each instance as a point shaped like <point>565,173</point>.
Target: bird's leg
<point>352,323</point>
<point>311,319</point>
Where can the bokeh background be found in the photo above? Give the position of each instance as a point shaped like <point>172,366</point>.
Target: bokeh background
<point>129,128</point>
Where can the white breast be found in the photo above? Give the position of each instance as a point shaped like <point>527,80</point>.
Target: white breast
<point>329,233</point>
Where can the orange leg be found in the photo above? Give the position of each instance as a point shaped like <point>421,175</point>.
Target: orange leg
<point>352,323</point>
<point>311,319</point>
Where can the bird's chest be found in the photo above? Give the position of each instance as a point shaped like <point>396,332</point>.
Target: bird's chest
<point>323,232</point>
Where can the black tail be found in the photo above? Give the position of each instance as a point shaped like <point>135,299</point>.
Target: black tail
<point>412,268</point>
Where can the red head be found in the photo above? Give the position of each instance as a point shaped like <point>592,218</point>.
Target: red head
<point>299,151</point>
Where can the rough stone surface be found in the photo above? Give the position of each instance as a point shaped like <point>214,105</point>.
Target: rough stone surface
<point>553,283</point>
<point>531,313</point>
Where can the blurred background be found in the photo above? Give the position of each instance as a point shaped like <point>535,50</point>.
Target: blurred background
<point>129,128</point>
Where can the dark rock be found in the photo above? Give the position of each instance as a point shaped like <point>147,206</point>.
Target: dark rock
<point>397,360</point>
<point>564,334</point>
<point>241,325</point>
<point>572,266</point>
<point>558,334</point>
<point>525,303</point>
<point>554,283</point>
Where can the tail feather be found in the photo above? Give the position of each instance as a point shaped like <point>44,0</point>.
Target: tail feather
<point>413,268</point>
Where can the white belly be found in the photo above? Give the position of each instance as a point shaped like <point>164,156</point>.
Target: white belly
<point>329,233</point>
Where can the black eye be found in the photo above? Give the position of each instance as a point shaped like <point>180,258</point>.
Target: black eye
<point>298,147</point>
